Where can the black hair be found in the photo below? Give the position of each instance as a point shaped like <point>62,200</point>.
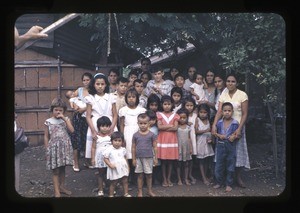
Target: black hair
<point>143,115</point>
<point>134,71</point>
<point>137,81</point>
<point>114,70</point>
<point>153,98</point>
<point>87,74</point>
<point>183,110</point>
<point>179,75</point>
<point>92,89</point>
<point>166,98</point>
<point>159,68</point>
<point>145,59</point>
<point>148,74</point>
<point>227,104</point>
<point>122,80</point>
<point>205,107</point>
<point>177,90</point>
<point>188,99</point>
<point>103,121</point>
<point>116,135</point>
<point>134,92</point>
<point>220,75</point>
<point>151,114</point>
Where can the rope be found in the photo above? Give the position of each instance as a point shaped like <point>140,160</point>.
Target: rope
<point>109,31</point>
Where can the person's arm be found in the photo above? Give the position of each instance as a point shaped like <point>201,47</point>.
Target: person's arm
<point>193,93</point>
<point>133,151</point>
<point>93,152</point>
<point>122,126</point>
<point>46,136</point>
<point>109,164</point>
<point>244,106</point>
<point>33,33</point>
<point>217,117</point>
<point>114,117</point>
<point>89,120</point>
<point>155,160</point>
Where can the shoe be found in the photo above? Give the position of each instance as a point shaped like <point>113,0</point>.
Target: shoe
<point>100,194</point>
<point>127,195</point>
<point>76,169</point>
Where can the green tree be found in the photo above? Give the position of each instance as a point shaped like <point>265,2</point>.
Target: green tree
<point>247,43</point>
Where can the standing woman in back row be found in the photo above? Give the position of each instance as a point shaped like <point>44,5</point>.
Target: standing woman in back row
<point>239,100</point>
<point>78,138</point>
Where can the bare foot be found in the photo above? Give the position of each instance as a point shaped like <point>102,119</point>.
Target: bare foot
<point>151,194</point>
<point>57,195</point>
<point>228,189</point>
<point>179,183</point>
<point>140,194</point>
<point>193,180</point>
<point>187,182</point>
<point>217,186</point>
<point>65,191</point>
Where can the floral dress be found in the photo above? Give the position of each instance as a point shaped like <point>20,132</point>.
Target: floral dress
<point>59,151</point>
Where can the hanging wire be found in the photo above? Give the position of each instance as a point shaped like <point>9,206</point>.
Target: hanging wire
<point>109,31</point>
<point>117,26</point>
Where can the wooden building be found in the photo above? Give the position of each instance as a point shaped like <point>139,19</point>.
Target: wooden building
<point>51,66</point>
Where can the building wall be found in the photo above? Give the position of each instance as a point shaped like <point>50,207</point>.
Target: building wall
<point>37,82</point>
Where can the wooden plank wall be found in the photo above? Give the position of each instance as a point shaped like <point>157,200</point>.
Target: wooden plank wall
<point>36,85</point>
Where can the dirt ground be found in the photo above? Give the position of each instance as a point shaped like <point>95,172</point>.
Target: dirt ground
<point>36,181</point>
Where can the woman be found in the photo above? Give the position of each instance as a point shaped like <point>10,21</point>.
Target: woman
<point>239,100</point>
<point>78,138</point>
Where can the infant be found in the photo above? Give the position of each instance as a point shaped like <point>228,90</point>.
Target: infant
<point>74,100</point>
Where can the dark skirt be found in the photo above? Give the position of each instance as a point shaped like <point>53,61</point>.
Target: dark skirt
<point>78,137</point>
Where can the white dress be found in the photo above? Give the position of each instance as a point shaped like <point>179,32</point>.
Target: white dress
<point>116,157</point>
<point>101,145</point>
<point>192,119</point>
<point>101,105</point>
<point>130,125</point>
<point>204,149</point>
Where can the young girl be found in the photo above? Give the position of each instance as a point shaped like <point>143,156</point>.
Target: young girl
<point>204,141</point>
<point>128,121</point>
<point>190,104</point>
<point>99,103</point>
<point>197,88</point>
<point>185,146</point>
<point>99,146</point>
<point>167,143</point>
<point>176,94</point>
<point>153,103</point>
<point>118,168</point>
<point>59,153</point>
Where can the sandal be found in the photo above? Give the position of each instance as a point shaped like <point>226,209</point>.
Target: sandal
<point>127,195</point>
<point>76,169</point>
<point>100,194</point>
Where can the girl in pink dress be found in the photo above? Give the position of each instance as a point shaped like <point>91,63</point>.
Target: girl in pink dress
<point>167,143</point>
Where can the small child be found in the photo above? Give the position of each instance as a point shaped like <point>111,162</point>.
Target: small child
<point>118,168</point>
<point>184,146</point>
<point>144,154</point>
<point>226,147</point>
<point>59,152</point>
<point>176,94</point>
<point>74,100</point>
<point>98,148</point>
<point>197,88</point>
<point>204,140</point>
<point>167,142</point>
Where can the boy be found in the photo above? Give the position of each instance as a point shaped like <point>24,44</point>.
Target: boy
<point>179,82</point>
<point>226,147</point>
<point>122,85</point>
<point>143,148</point>
<point>139,87</point>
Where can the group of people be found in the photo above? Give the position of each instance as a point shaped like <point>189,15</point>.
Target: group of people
<point>156,129</point>
<point>146,124</point>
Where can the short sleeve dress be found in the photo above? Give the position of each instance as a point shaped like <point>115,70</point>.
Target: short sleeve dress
<point>59,151</point>
<point>167,142</point>
<point>116,157</point>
